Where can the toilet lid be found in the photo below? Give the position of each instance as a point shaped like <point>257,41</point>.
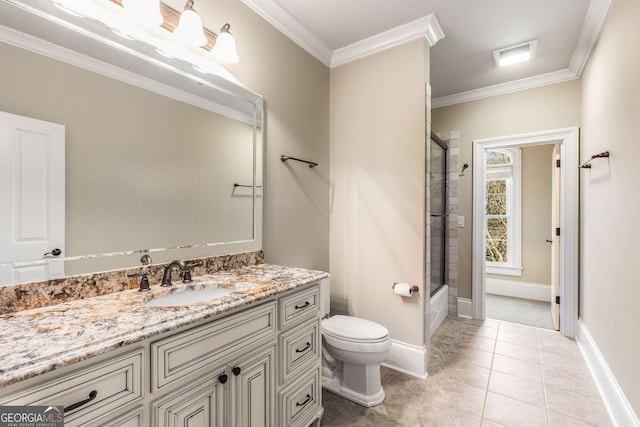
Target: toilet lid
<point>354,329</point>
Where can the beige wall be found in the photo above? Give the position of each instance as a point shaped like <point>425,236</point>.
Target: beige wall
<point>378,192</point>
<point>549,107</point>
<point>610,234</point>
<point>296,90</point>
<point>536,216</point>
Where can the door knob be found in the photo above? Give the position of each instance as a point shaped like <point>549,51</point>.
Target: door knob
<point>54,252</point>
<point>236,371</point>
<point>223,378</point>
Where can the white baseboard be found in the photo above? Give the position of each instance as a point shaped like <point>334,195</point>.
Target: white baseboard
<point>408,359</point>
<point>618,406</point>
<point>512,288</point>
<point>465,308</point>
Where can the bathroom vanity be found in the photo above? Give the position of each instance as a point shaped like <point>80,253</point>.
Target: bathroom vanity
<point>249,358</point>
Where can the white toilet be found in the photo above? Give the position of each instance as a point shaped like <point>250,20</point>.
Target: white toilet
<point>353,349</point>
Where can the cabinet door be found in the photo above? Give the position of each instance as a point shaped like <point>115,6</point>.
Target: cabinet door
<point>252,390</point>
<point>197,405</point>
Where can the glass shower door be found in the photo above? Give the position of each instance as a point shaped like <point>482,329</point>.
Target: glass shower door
<point>438,212</point>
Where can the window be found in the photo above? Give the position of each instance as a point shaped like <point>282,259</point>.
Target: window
<point>502,211</point>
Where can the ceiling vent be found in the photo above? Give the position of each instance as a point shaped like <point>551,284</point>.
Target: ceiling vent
<point>514,54</point>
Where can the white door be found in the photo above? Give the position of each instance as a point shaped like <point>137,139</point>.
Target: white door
<point>32,198</point>
<point>555,238</point>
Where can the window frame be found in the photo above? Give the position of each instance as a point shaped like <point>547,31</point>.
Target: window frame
<point>513,267</point>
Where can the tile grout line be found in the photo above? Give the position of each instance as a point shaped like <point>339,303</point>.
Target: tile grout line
<point>537,348</point>
<point>486,393</point>
<point>544,389</point>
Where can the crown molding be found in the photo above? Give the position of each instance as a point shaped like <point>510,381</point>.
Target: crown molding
<point>277,16</point>
<point>427,27</point>
<point>272,12</point>
<point>505,88</point>
<point>591,29</point>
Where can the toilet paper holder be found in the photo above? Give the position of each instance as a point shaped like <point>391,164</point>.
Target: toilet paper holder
<point>414,288</point>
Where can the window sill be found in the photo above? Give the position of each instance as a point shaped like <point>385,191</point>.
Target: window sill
<point>504,270</point>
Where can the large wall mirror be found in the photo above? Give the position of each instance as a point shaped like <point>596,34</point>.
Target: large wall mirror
<point>156,158</point>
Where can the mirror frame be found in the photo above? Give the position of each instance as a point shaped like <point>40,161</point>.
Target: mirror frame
<point>41,27</point>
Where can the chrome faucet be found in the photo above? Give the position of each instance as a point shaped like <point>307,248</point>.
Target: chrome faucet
<point>166,279</point>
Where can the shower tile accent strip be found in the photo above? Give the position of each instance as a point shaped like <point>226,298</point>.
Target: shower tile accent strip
<point>27,296</point>
<point>453,167</point>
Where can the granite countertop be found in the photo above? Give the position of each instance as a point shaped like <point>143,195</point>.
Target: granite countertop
<point>40,340</point>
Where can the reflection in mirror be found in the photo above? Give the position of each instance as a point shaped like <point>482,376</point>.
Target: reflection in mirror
<point>142,172</point>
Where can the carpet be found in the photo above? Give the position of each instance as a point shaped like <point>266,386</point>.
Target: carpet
<point>518,310</point>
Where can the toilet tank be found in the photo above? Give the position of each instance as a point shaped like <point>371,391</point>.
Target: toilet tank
<point>325,297</point>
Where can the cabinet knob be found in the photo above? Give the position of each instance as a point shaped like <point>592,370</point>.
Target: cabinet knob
<point>236,371</point>
<point>223,378</point>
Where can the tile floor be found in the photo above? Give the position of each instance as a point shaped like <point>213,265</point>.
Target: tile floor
<point>488,374</point>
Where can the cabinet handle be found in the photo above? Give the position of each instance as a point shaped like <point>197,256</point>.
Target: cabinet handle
<point>302,350</point>
<point>305,401</point>
<point>306,304</point>
<point>223,378</point>
<point>92,396</point>
<point>236,371</point>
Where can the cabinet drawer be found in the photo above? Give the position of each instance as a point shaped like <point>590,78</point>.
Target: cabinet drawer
<point>299,306</point>
<point>130,419</point>
<point>299,347</point>
<point>113,384</point>
<point>194,350</point>
<point>301,402</point>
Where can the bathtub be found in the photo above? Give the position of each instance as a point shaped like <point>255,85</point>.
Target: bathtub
<point>438,308</point>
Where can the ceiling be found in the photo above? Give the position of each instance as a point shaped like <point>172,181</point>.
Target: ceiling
<point>462,66</point>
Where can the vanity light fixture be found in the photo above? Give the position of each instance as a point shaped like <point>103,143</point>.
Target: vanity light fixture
<point>173,34</point>
<point>189,30</point>
<point>515,54</point>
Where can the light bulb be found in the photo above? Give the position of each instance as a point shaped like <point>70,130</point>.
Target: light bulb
<point>225,48</point>
<point>189,30</point>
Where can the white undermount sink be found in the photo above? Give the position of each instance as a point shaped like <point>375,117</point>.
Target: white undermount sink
<point>188,296</point>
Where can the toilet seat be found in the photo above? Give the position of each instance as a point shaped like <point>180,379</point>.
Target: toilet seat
<point>355,334</point>
<point>354,329</point>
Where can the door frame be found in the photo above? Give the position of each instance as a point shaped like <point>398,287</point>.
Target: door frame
<point>568,138</point>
